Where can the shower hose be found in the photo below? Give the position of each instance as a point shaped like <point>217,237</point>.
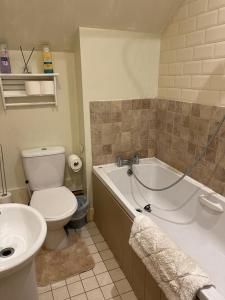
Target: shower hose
<point>189,169</point>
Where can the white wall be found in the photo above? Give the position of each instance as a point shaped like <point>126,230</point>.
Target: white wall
<point>38,126</point>
<point>115,65</point>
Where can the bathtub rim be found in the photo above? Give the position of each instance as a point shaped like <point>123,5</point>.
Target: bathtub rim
<point>101,171</point>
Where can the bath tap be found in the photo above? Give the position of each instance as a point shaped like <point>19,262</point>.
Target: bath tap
<point>127,162</point>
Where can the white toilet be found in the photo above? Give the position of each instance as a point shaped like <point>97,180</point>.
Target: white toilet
<point>44,169</point>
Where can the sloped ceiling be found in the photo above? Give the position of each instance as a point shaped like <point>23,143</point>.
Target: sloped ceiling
<point>32,22</point>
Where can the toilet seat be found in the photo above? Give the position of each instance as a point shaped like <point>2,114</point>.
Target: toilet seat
<point>54,203</point>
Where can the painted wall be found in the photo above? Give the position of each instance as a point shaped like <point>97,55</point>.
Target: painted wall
<point>193,54</point>
<point>115,65</point>
<point>41,126</point>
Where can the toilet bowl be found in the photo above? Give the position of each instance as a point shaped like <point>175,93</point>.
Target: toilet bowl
<point>44,169</point>
<point>57,205</point>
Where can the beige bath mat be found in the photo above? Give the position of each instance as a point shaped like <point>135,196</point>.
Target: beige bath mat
<point>52,266</point>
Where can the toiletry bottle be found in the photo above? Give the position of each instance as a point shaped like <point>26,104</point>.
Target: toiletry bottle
<point>4,59</point>
<point>47,59</point>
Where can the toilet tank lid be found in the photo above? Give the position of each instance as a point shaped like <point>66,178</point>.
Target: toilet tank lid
<point>43,151</point>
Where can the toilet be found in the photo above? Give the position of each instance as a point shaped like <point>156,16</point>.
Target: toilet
<point>44,170</point>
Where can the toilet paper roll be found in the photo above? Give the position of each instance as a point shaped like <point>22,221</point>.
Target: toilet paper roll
<point>6,199</point>
<point>47,87</point>
<point>74,162</point>
<point>33,88</point>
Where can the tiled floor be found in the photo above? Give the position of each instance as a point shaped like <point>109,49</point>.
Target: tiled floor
<point>105,281</point>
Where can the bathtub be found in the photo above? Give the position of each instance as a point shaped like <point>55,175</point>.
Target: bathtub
<point>186,213</point>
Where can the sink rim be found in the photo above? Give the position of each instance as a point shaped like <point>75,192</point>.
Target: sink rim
<point>13,263</point>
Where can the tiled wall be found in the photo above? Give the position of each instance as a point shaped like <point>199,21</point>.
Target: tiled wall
<point>193,54</point>
<point>173,131</point>
<point>122,128</point>
<point>182,130</point>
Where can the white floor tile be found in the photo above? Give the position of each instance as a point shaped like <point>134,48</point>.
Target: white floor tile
<point>93,231</point>
<point>98,238</point>
<point>72,279</point>
<point>109,291</point>
<point>99,268</point>
<point>95,295</point>
<point>84,233</point>
<point>90,225</point>
<point>87,274</point>
<point>61,293</point>
<point>90,284</point>
<point>92,249</point>
<point>79,297</point>
<point>102,246</point>
<point>123,286</point>
<point>117,274</point>
<point>111,264</point>
<point>88,241</point>
<point>58,284</point>
<point>106,254</point>
<point>46,296</point>
<point>75,288</point>
<point>104,279</point>
<point>43,289</point>
<point>96,257</point>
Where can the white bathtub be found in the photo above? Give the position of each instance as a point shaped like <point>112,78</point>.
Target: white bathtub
<point>197,229</point>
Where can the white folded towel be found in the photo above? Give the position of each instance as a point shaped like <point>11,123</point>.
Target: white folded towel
<point>177,274</point>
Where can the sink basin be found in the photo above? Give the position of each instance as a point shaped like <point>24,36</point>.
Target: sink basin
<point>22,233</point>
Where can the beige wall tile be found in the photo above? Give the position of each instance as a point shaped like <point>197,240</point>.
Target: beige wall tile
<point>203,52</point>
<point>213,66</point>
<point>188,25</point>
<point>183,81</point>
<point>215,34</point>
<point>199,46</point>
<point>207,20</point>
<point>175,69</point>
<point>193,67</point>
<point>221,18</point>
<point>216,3</point>
<point>195,38</point>
<point>197,7</point>
<point>185,54</point>
<point>200,82</point>
<point>220,50</point>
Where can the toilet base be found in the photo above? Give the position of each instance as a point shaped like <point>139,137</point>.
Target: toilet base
<point>56,239</point>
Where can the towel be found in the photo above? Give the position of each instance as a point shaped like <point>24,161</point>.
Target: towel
<point>177,274</point>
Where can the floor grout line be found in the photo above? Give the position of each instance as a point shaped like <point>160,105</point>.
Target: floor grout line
<point>107,271</point>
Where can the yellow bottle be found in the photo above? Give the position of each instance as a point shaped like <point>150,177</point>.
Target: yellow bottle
<point>47,59</point>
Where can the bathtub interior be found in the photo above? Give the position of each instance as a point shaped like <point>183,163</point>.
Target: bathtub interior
<point>194,227</point>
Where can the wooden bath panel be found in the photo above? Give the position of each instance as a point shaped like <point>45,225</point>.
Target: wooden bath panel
<point>115,225</point>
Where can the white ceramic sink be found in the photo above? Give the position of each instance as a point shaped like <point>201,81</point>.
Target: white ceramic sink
<point>22,233</point>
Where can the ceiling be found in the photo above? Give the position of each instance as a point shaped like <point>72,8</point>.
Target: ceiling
<point>31,22</point>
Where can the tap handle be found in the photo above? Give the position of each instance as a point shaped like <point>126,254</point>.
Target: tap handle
<point>136,158</point>
<point>119,161</point>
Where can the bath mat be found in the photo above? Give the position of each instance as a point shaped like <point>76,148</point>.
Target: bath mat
<point>53,266</point>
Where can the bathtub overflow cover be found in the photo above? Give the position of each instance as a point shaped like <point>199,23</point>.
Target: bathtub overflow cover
<point>6,252</point>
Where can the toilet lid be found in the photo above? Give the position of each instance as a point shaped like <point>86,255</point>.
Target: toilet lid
<point>54,203</point>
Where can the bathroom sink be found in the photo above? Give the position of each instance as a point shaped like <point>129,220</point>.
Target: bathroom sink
<point>22,233</point>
